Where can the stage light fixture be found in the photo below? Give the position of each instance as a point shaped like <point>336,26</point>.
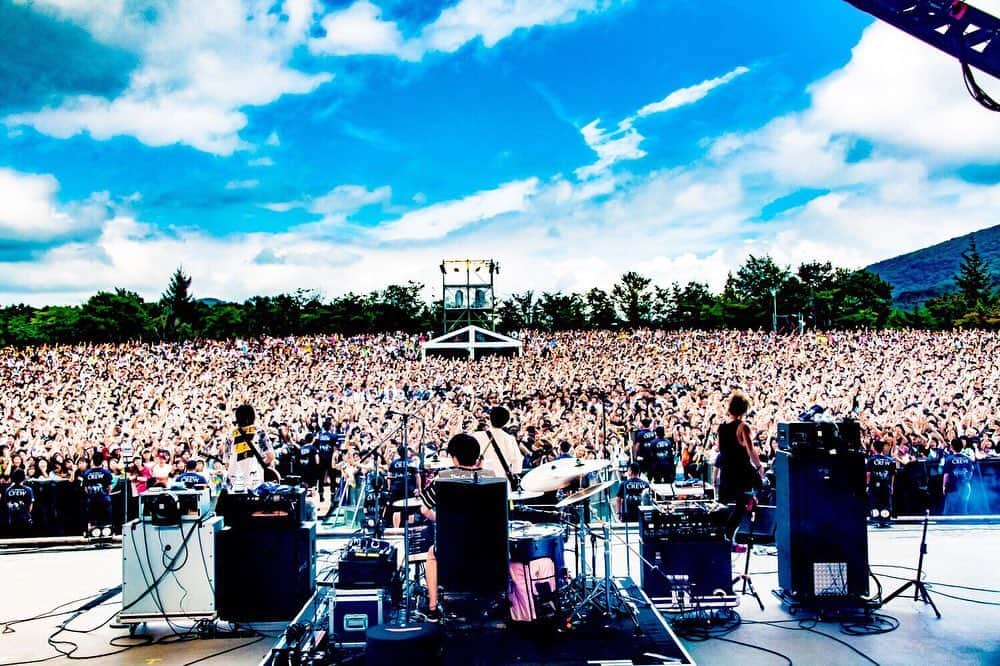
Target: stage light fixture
<point>874,513</point>
<point>885,513</point>
<point>106,532</point>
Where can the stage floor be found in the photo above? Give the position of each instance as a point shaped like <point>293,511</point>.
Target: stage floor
<point>961,555</point>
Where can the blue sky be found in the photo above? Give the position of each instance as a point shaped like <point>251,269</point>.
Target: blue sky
<point>343,145</point>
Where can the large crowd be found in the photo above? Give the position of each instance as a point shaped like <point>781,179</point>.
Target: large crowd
<point>151,408</point>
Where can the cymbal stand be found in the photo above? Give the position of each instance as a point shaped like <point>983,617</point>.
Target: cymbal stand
<point>599,595</point>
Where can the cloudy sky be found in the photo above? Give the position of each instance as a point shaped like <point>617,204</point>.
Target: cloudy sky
<point>346,144</point>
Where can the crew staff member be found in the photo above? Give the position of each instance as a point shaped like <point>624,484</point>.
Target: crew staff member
<point>97,482</point>
<point>18,501</point>
<point>190,478</point>
<point>464,452</point>
<point>402,478</point>
<point>881,476</point>
<point>325,445</point>
<point>957,481</point>
<point>642,441</point>
<point>664,468</point>
<point>630,494</point>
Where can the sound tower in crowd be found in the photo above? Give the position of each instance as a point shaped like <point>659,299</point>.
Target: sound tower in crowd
<point>467,292</point>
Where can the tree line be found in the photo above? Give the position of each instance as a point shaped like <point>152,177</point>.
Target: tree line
<point>760,294</point>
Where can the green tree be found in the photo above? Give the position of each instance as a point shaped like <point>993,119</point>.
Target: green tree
<point>562,312</point>
<point>178,307</point>
<point>600,309</point>
<point>974,280</point>
<point>752,286</point>
<point>632,296</point>
<point>864,300</point>
<point>693,305</point>
<point>57,324</point>
<point>118,316</point>
<point>223,321</point>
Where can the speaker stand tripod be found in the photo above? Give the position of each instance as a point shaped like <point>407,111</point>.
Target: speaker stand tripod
<point>920,591</point>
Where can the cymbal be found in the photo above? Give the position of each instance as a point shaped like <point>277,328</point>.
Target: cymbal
<point>581,495</point>
<point>437,464</point>
<point>560,473</point>
<point>522,495</point>
<point>407,503</point>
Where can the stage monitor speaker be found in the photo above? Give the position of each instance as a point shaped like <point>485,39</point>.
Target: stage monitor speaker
<point>264,574</point>
<point>706,564</point>
<point>822,525</point>
<point>471,546</point>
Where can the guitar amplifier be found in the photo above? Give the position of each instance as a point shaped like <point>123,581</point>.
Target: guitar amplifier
<point>367,564</point>
<point>352,613</point>
<point>277,506</point>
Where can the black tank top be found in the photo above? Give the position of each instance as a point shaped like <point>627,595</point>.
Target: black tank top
<point>733,455</point>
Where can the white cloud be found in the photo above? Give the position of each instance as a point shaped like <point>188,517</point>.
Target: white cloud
<point>611,147</point>
<point>360,29</point>
<point>200,64</point>
<point>691,94</point>
<point>495,20</point>
<point>623,143</point>
<point>441,219</point>
<point>261,162</point>
<point>337,204</point>
<point>242,184</point>
<point>901,92</point>
<point>345,199</point>
<point>29,210</point>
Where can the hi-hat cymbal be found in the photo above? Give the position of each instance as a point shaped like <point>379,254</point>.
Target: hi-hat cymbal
<point>581,495</point>
<point>407,503</point>
<point>437,464</point>
<point>522,495</point>
<point>560,473</point>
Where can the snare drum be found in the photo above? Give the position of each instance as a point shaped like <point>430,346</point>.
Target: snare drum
<point>531,542</point>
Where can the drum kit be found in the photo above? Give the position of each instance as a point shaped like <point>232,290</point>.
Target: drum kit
<point>586,596</point>
<point>556,497</point>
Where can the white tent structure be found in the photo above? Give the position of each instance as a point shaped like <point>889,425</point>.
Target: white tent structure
<point>472,341</point>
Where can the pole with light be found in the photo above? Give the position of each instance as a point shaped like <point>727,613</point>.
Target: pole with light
<point>774,312</point>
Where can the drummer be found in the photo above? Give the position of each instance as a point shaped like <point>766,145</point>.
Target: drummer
<point>464,451</point>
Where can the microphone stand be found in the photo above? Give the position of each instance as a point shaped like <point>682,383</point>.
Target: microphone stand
<point>748,588</point>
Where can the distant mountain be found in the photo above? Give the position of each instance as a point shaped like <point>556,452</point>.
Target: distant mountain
<point>211,302</point>
<point>929,272</point>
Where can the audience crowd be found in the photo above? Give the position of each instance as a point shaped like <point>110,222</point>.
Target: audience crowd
<point>151,408</point>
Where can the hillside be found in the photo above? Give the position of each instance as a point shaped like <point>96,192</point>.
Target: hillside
<point>919,275</point>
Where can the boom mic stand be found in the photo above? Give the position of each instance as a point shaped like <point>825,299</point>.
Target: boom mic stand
<point>920,592</point>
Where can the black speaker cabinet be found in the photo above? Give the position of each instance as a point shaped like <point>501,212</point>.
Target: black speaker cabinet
<point>822,525</point>
<point>707,564</point>
<point>264,574</point>
<point>471,544</point>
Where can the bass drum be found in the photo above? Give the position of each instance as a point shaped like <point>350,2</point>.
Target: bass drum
<point>536,572</point>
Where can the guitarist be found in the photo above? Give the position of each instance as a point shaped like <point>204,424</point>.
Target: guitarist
<point>251,458</point>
